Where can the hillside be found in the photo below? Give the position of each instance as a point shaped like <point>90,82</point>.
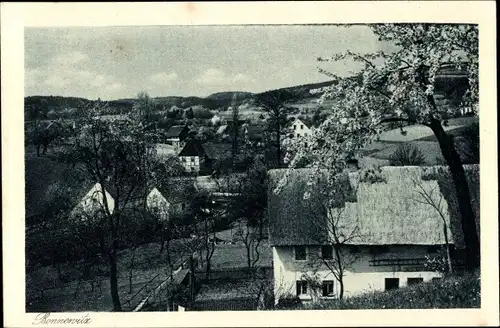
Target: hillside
<point>215,101</point>
<point>230,95</point>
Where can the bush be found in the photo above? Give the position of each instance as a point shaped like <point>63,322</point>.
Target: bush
<point>372,175</point>
<point>407,155</point>
<point>453,292</point>
<point>202,113</point>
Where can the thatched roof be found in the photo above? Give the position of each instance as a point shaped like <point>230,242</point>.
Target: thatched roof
<point>386,213</point>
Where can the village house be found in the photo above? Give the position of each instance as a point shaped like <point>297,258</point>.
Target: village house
<point>192,156</point>
<point>176,136</point>
<point>395,231</point>
<point>299,129</point>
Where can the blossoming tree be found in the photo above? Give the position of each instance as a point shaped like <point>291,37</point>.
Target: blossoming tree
<point>430,62</point>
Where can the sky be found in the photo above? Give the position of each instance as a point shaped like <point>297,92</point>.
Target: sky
<point>119,62</point>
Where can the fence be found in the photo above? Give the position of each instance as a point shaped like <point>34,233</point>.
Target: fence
<point>234,304</point>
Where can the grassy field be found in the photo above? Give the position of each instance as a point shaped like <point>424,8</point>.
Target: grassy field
<point>46,293</point>
<point>234,256</point>
<point>379,152</point>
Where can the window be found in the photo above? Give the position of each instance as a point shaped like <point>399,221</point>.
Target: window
<point>192,159</point>
<point>327,252</point>
<point>414,281</point>
<point>295,127</point>
<point>305,144</point>
<point>300,253</point>
<point>302,127</point>
<point>327,288</point>
<point>391,283</point>
<point>436,278</point>
<point>298,135</point>
<point>301,287</point>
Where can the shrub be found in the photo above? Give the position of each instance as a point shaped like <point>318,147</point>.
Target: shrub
<point>470,136</point>
<point>407,155</point>
<point>453,292</point>
<point>372,175</point>
<point>202,113</point>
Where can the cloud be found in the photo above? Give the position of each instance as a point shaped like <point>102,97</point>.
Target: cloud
<point>70,58</point>
<point>217,77</point>
<point>163,78</point>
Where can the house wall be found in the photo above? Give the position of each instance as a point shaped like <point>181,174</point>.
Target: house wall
<point>297,131</point>
<point>359,278</point>
<point>190,163</point>
<point>155,200</point>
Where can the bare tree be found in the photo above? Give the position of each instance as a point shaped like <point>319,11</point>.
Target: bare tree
<point>250,207</point>
<point>206,213</point>
<point>116,157</point>
<point>337,255</point>
<point>436,201</point>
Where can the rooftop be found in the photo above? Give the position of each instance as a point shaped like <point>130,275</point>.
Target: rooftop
<point>386,213</point>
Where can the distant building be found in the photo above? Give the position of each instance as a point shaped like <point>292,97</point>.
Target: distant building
<point>192,156</point>
<point>299,129</point>
<point>176,136</point>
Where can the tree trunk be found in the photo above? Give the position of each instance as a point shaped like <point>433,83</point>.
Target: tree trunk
<point>162,245</point>
<point>278,142</point>
<point>130,272</point>
<point>341,283</point>
<point>113,272</point>
<point>448,255</point>
<point>249,259</point>
<point>468,221</point>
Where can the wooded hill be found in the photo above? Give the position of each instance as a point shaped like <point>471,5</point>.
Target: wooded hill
<point>219,100</point>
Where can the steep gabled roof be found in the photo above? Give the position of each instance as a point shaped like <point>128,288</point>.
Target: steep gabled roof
<point>175,131</point>
<point>193,147</point>
<point>386,212</point>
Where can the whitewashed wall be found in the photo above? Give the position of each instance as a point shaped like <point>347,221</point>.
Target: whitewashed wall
<point>156,201</point>
<point>296,130</point>
<point>94,200</point>
<point>359,279</point>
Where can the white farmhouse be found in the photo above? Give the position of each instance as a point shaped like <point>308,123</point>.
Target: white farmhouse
<point>299,129</point>
<point>395,233</point>
<point>93,200</point>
